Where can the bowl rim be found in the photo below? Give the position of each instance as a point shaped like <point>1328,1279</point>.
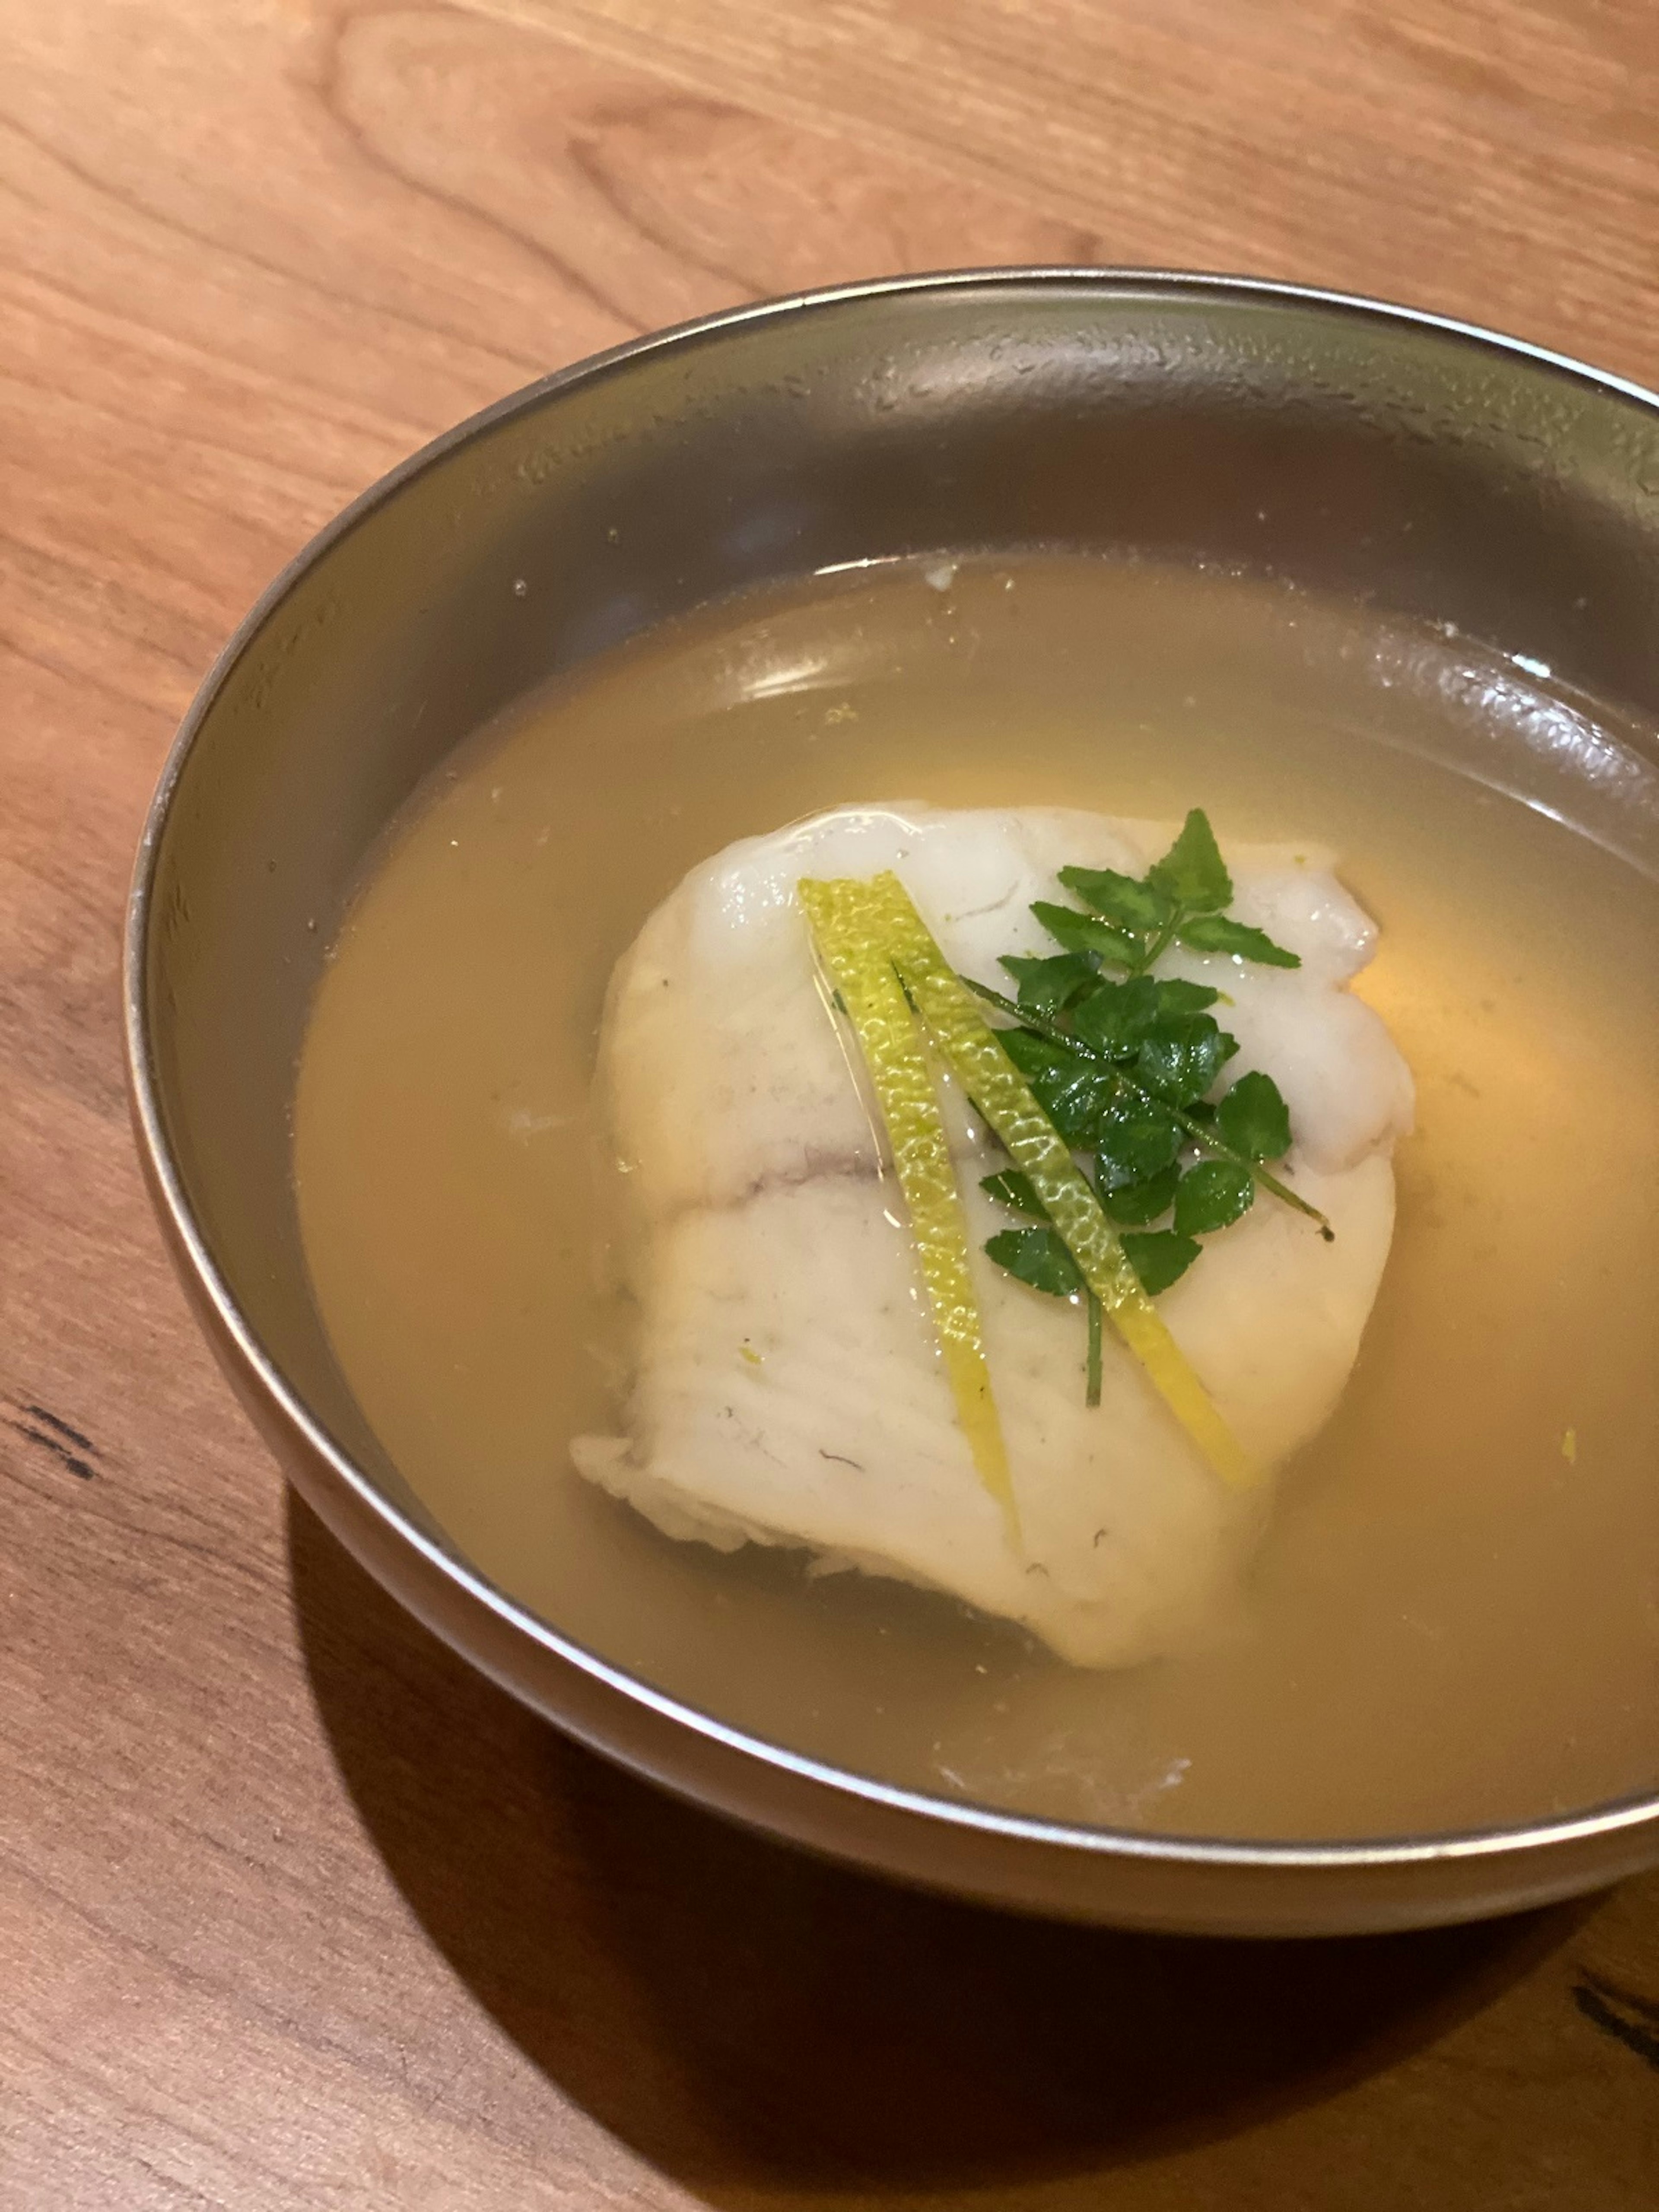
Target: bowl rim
<point>1372,1855</point>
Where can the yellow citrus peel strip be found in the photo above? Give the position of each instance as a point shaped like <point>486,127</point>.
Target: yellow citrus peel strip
<point>848,933</point>
<point>966,1040</point>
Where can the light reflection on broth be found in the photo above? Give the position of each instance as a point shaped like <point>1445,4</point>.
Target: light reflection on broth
<point>1455,1618</point>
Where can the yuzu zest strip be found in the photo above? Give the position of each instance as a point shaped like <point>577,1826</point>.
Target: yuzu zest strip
<point>847,936</point>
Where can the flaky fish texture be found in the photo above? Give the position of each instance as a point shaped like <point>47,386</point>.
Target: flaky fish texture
<point>788,1386</point>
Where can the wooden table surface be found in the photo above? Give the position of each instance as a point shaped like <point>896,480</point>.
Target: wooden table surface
<point>294,1910</point>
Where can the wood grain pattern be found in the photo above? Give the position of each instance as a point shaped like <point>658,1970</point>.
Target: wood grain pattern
<point>294,1911</point>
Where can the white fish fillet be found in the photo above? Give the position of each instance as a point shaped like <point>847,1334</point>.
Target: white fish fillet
<point>788,1387</point>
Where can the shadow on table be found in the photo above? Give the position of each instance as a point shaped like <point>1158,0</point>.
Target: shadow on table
<point>752,2020</point>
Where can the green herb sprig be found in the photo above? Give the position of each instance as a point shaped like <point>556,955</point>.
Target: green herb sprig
<point>1181,899</point>
<point>1125,1063</point>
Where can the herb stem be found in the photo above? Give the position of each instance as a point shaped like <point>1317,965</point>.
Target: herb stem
<point>1195,1129</point>
<point>1091,1392</point>
<point>1160,944</point>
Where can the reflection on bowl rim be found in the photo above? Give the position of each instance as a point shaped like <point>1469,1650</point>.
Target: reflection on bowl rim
<point>1603,1819</point>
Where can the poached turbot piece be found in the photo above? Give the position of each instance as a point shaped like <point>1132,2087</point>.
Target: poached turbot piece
<point>787,1386</point>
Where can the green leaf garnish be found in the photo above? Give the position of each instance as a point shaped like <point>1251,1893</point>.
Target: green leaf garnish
<point>1085,933</point>
<point>1198,1120</point>
<point>1049,986</point>
<point>1193,873</point>
<point>1039,1257</point>
<point>1018,1191</point>
<point>1159,1257</point>
<point>1181,1055</point>
<point>1213,932</point>
<point>1254,1118</point>
<point>1132,904</point>
<point>1212,1196</point>
<point>1175,995</point>
<point>1136,919</point>
<point>1124,1063</point>
<point>1114,1017</point>
<point>1135,1204</point>
<point>1132,1143</point>
<point>1074,1092</point>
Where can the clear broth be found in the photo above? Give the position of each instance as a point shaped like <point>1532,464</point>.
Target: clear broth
<point>1454,1619</point>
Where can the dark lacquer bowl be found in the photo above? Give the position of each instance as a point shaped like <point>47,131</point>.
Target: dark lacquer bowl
<point>1434,470</point>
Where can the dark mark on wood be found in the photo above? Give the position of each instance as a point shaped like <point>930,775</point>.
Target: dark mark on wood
<point>39,1413</point>
<point>1628,2018</point>
<point>841,1459</point>
<point>72,1461</point>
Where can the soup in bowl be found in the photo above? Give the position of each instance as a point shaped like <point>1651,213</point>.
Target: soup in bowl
<point>907,1045</point>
